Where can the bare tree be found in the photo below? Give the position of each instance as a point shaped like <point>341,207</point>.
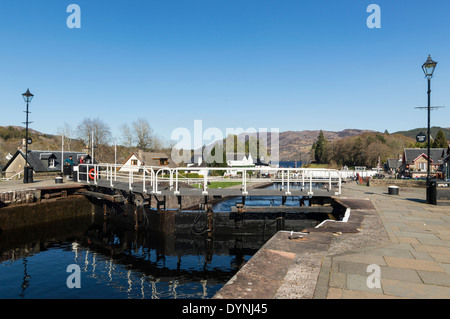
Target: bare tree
<point>127,135</point>
<point>143,133</point>
<point>100,132</point>
<point>67,132</point>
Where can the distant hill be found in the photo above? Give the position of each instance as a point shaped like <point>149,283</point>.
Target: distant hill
<point>296,145</point>
<point>12,137</point>
<point>433,131</point>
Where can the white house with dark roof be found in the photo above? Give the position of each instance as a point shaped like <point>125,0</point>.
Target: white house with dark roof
<point>40,161</point>
<point>136,160</point>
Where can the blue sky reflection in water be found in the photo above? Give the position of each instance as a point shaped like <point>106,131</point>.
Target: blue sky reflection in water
<point>117,262</point>
<point>131,268</point>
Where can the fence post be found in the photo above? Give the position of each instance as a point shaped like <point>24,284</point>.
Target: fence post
<point>144,189</point>
<point>205,184</point>
<point>329,184</point>
<point>288,186</point>
<point>130,179</point>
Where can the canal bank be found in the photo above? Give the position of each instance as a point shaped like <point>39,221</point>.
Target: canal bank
<point>25,205</point>
<point>162,259</point>
<point>394,246</point>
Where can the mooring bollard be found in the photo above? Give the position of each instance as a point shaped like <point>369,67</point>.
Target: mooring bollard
<point>393,190</point>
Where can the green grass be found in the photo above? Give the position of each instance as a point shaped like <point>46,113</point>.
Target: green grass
<point>314,165</point>
<point>218,184</point>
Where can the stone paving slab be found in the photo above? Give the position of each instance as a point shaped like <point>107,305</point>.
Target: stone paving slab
<point>398,247</point>
<point>416,264</point>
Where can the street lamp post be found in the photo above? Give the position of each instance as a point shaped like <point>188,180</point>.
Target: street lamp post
<point>428,68</point>
<point>27,96</point>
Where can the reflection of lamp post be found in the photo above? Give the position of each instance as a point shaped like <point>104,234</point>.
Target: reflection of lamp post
<point>27,96</point>
<point>428,68</point>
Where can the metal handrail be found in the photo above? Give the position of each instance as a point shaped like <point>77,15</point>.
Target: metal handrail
<point>11,177</point>
<point>157,174</point>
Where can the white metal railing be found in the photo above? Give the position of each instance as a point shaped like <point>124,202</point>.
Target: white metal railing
<point>18,175</point>
<point>153,178</point>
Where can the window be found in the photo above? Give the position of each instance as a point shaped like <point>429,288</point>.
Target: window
<point>163,162</point>
<point>422,166</point>
<point>134,162</point>
<point>51,162</point>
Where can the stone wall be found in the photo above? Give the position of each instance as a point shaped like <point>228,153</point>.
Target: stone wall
<point>24,215</point>
<point>19,196</point>
<point>397,182</point>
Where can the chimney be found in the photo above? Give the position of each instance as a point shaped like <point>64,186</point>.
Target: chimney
<point>141,156</point>
<point>21,147</point>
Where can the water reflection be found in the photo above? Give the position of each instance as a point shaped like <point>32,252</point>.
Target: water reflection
<point>116,261</point>
<point>162,259</point>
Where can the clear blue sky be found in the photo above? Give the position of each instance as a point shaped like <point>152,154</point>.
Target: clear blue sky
<point>288,64</point>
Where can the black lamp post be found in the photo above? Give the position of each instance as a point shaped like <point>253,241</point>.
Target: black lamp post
<point>428,68</point>
<point>27,96</point>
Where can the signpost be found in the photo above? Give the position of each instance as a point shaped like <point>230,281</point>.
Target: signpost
<point>421,137</point>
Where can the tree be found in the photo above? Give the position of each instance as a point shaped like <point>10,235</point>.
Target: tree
<point>440,141</point>
<point>126,135</point>
<point>101,133</point>
<point>143,132</point>
<point>67,132</point>
<point>141,136</point>
<point>321,149</point>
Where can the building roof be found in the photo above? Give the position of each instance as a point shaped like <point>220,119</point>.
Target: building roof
<point>436,154</point>
<point>393,163</point>
<point>38,160</point>
<point>152,159</point>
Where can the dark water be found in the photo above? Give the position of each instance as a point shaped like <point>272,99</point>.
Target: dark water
<point>225,206</point>
<point>117,261</point>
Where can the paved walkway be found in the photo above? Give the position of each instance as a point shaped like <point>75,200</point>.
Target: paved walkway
<point>414,263</point>
<point>18,185</point>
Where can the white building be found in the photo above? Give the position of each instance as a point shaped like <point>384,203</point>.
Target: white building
<point>136,160</point>
<point>236,161</point>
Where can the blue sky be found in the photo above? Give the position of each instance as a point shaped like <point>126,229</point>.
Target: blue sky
<point>288,64</point>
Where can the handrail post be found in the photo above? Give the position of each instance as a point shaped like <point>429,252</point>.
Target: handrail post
<point>156,181</point>
<point>152,179</point>
<point>130,179</point>
<point>288,188</point>
<point>176,192</point>
<point>303,179</point>
<point>244,181</point>
<point>170,179</point>
<point>205,184</point>
<point>144,189</point>
<point>340,183</point>
<point>310,182</point>
<point>329,183</point>
<point>111,177</point>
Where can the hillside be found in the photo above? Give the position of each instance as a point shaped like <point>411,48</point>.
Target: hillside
<point>296,145</point>
<point>293,145</point>
<point>433,131</point>
<point>11,138</point>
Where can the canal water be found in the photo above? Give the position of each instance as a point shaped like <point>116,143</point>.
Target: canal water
<point>93,258</point>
